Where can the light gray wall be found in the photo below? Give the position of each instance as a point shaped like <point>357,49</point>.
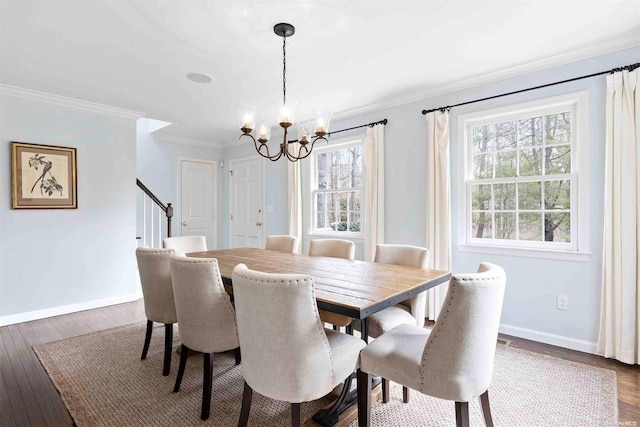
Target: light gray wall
<point>52,258</point>
<point>530,305</point>
<point>157,167</point>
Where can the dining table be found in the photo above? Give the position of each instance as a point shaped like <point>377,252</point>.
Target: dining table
<point>352,288</point>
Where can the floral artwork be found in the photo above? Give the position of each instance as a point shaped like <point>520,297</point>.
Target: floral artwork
<point>43,176</point>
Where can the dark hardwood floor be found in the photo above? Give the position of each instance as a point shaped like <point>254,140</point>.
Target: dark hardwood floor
<point>28,398</point>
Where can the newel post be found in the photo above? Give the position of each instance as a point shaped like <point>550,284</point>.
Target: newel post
<point>169,216</point>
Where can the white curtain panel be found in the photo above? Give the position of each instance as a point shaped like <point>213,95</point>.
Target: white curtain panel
<point>438,204</point>
<point>373,151</point>
<point>295,196</point>
<point>620,310</point>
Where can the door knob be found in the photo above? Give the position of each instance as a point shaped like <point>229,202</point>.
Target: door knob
<point>259,224</point>
<point>185,223</point>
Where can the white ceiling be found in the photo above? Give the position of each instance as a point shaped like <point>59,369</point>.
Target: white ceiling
<point>346,56</point>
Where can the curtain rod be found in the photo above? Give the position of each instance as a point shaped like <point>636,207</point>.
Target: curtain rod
<point>614,70</point>
<point>372,124</point>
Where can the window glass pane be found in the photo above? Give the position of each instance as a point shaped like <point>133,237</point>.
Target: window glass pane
<point>354,201</point>
<point>530,195</point>
<point>504,196</point>
<point>333,179</point>
<point>322,179</point>
<point>506,135</point>
<point>557,159</point>
<point>481,197</point>
<point>344,178</point>
<point>354,222</point>
<point>483,166</point>
<point>530,226</point>
<point>531,162</point>
<point>321,220</point>
<point>331,218</point>
<point>481,225</point>
<point>323,161</point>
<point>558,128</point>
<point>557,194</point>
<point>505,163</point>
<point>483,138</point>
<point>530,132</point>
<point>557,227</point>
<point>505,225</point>
<point>320,202</point>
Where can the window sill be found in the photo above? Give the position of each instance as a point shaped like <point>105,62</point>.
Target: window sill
<point>336,236</point>
<point>528,253</point>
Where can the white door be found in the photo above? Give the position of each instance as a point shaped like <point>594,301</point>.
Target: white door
<point>246,199</point>
<point>197,200</point>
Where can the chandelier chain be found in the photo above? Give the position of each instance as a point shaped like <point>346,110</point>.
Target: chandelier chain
<point>284,70</point>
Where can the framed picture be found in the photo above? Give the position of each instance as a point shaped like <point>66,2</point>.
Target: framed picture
<point>43,177</point>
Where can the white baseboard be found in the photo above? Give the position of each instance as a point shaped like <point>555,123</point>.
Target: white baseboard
<point>66,309</point>
<point>544,337</point>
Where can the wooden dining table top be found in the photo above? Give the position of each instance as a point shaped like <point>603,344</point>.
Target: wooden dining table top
<point>350,287</point>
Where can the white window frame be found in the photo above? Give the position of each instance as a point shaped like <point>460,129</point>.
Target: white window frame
<point>578,248</point>
<point>313,185</point>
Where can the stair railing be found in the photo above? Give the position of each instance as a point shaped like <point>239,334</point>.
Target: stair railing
<point>152,212</point>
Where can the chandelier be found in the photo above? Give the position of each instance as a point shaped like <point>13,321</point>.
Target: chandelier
<point>309,131</point>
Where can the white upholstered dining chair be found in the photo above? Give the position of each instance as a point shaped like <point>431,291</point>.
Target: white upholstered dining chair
<point>281,243</point>
<point>206,317</point>
<point>453,361</point>
<point>185,244</point>
<point>302,364</point>
<point>157,293</point>
<point>411,311</point>
<point>335,248</point>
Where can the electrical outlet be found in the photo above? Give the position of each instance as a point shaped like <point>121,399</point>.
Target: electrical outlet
<point>562,302</point>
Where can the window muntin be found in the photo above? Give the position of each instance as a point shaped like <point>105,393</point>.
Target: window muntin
<point>336,195</point>
<point>521,178</point>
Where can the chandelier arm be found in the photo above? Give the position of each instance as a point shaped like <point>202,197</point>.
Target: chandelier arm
<point>259,148</point>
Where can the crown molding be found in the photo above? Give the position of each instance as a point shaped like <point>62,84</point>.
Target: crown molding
<point>626,41</point>
<point>183,140</point>
<point>79,104</point>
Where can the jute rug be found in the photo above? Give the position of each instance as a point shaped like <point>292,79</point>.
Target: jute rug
<point>103,382</point>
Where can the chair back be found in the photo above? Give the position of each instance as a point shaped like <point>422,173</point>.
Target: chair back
<point>155,279</point>
<point>457,362</point>
<point>408,256</point>
<point>185,244</point>
<point>205,314</point>
<point>281,243</point>
<point>285,350</point>
<point>336,248</point>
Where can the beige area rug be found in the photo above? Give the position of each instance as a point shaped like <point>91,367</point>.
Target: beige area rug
<point>103,382</point>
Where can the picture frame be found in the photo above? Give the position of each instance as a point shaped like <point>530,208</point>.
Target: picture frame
<point>43,176</point>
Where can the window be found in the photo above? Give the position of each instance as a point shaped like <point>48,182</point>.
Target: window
<point>336,184</point>
<point>521,176</point>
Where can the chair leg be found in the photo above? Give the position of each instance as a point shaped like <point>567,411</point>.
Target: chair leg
<point>364,398</point>
<point>295,415</point>
<point>246,405</point>
<point>183,363</point>
<point>405,394</point>
<point>168,344</point>
<point>385,390</point>
<point>486,410</point>
<point>462,414</point>
<point>206,385</point>
<point>147,339</point>
<point>238,356</point>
